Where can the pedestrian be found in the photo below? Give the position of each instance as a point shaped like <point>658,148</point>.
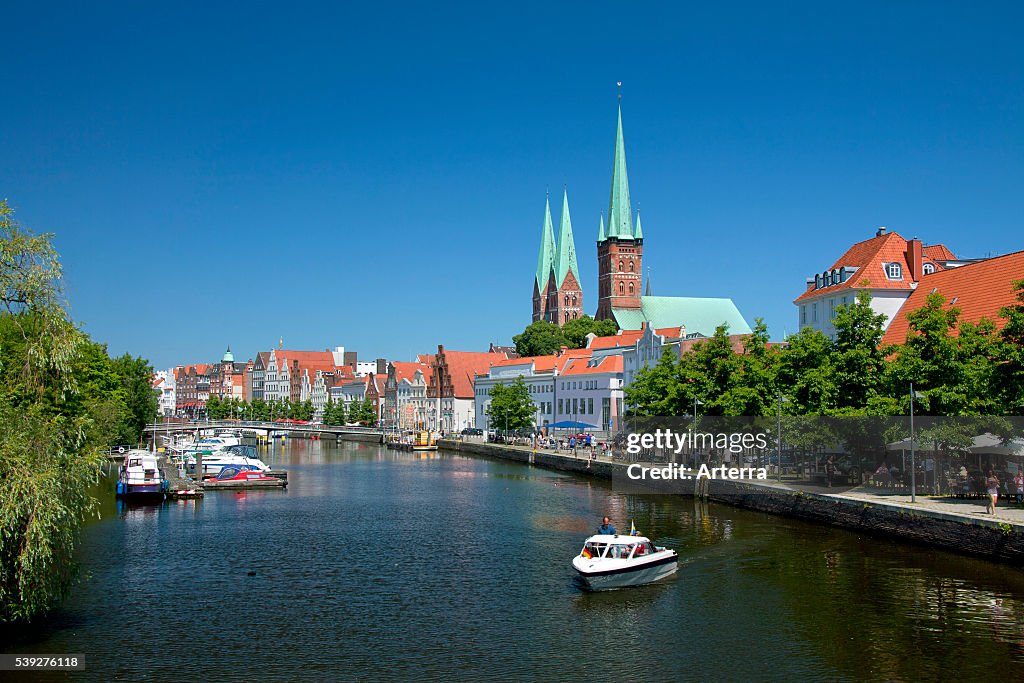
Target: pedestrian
<point>993,491</point>
<point>1019,481</point>
<point>830,470</point>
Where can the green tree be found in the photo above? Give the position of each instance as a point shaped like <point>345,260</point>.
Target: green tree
<point>511,406</point>
<point>141,399</point>
<point>1009,375</point>
<point>575,331</point>
<point>541,338</point>
<point>857,359</point>
<point>47,459</point>
<point>214,408</point>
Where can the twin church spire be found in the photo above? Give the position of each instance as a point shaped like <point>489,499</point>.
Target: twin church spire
<point>558,295</point>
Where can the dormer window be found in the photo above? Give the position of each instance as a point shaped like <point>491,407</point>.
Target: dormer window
<point>929,268</point>
<point>893,271</point>
<point>817,281</point>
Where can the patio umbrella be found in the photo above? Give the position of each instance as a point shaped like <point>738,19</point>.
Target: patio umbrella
<point>571,424</point>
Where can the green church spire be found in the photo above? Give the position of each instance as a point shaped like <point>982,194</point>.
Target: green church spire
<point>546,258</point>
<point>565,259</point>
<point>639,232</point>
<point>620,220</point>
<point>600,231</point>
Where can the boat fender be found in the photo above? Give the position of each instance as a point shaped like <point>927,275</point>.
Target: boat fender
<point>120,449</point>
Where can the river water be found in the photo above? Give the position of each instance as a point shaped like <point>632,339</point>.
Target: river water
<point>375,564</point>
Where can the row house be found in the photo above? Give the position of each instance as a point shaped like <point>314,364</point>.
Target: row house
<point>405,396</point>
<point>450,387</point>
<point>575,385</point>
<point>318,388</point>
<point>255,375</point>
<point>192,388</point>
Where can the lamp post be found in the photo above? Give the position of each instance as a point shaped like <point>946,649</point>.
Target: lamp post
<point>778,449</point>
<point>913,466</point>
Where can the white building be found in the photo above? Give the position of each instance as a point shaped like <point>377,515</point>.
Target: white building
<point>163,382</point>
<point>887,266</point>
<point>538,374</point>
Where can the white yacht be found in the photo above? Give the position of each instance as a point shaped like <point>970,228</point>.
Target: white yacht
<point>242,457</point>
<point>620,561</point>
<point>141,476</point>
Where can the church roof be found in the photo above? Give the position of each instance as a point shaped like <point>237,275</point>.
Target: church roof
<point>699,315</point>
<point>546,257</point>
<point>565,258</point>
<point>620,217</point>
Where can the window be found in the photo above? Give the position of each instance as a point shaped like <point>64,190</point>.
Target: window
<point>814,312</point>
<point>631,266</point>
<point>803,315</point>
<point>560,411</point>
<point>620,264</point>
<point>590,406</point>
<point>622,288</point>
<point>631,288</point>
<point>929,268</point>
<point>893,271</point>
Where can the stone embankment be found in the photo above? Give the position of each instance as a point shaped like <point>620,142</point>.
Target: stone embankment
<point>995,538</point>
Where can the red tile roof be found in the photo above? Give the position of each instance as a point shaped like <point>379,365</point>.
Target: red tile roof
<point>980,290</point>
<point>938,252</point>
<point>868,257</point>
<point>623,338</point>
<point>464,365</point>
<point>580,366</point>
<point>540,363</point>
<point>407,370</point>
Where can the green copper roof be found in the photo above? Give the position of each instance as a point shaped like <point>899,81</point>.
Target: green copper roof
<point>620,219</point>
<point>546,257</point>
<point>639,232</point>
<point>228,357</point>
<point>699,315</point>
<point>600,231</point>
<point>565,253</point>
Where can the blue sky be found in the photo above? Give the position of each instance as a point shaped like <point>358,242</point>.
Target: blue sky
<point>373,175</point>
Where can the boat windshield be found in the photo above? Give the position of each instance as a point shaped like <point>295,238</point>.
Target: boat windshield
<point>594,549</point>
<point>228,473</point>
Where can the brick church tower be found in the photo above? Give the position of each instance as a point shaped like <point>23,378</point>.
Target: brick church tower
<point>557,289</point>
<point>620,250</point>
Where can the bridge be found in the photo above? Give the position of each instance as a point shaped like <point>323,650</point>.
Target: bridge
<point>182,426</point>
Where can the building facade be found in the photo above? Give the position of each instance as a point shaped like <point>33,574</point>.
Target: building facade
<point>887,266</point>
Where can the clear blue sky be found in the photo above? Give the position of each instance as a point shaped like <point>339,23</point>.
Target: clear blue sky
<point>373,175</point>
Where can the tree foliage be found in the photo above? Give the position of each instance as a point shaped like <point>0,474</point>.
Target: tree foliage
<point>544,338</point>
<point>961,369</point>
<point>62,399</point>
<point>511,406</point>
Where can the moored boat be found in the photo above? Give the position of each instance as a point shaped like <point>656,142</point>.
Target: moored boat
<point>424,441</point>
<point>608,561</point>
<point>141,476</point>
<point>237,478</point>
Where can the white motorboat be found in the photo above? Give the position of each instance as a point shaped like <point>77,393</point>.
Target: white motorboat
<point>242,457</point>
<point>141,476</point>
<point>620,561</point>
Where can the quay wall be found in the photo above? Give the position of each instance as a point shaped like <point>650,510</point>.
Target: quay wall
<point>990,539</point>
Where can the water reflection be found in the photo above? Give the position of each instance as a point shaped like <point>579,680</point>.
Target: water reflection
<point>379,563</point>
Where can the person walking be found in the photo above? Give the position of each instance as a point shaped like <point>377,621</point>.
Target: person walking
<point>993,491</point>
<point>1019,481</point>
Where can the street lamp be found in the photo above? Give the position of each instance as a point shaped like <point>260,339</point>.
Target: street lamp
<point>913,467</point>
<point>778,450</point>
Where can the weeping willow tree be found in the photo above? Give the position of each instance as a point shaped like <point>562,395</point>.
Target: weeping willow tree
<point>48,459</point>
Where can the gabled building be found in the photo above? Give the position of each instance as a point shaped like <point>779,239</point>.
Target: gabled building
<point>450,387</point>
<point>888,266</point>
<point>405,396</point>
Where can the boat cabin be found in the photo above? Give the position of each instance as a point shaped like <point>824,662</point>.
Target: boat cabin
<point>617,547</point>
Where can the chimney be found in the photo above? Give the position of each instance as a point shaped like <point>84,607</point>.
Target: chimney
<point>382,366</point>
<point>914,251</point>
<point>881,231</point>
<point>562,350</point>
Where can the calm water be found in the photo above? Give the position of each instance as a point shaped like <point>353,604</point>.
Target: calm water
<point>376,564</point>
